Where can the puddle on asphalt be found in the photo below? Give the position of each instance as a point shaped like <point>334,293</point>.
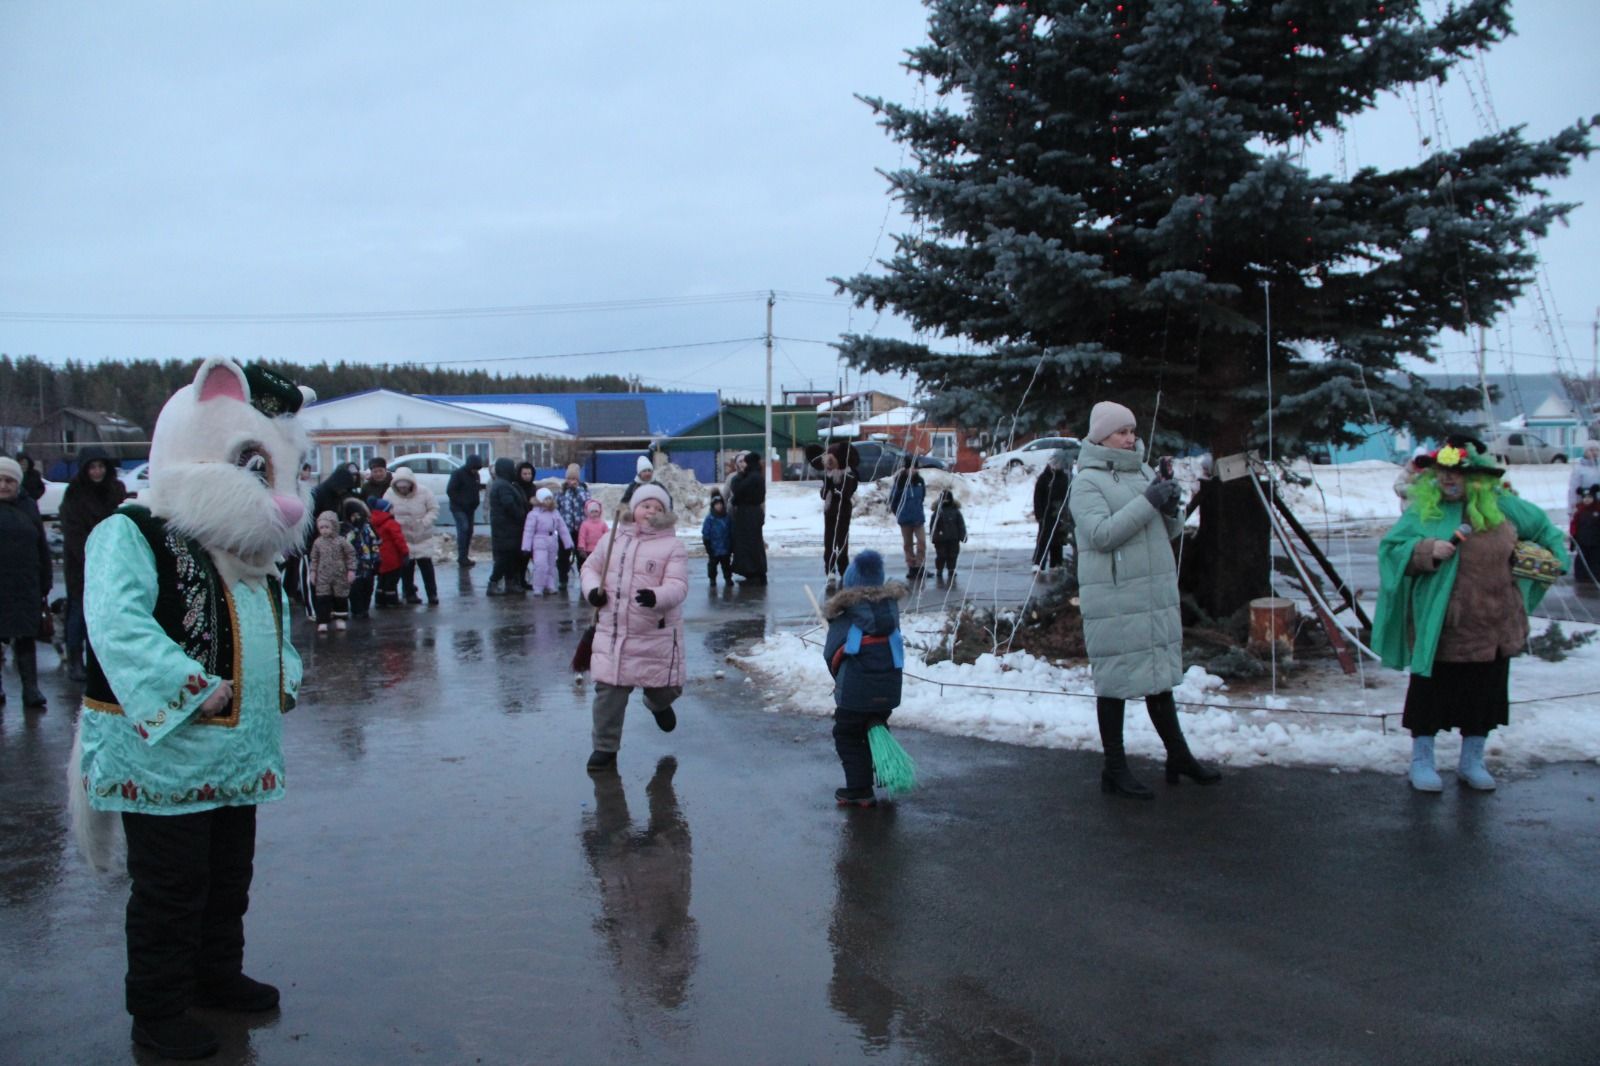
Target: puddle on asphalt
<point>722,639</point>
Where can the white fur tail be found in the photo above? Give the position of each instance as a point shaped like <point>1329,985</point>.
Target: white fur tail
<point>95,831</point>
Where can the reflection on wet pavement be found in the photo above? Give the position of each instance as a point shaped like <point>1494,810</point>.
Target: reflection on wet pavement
<point>443,883</point>
<point>644,878</point>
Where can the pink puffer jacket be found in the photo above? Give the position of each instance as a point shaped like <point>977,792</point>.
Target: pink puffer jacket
<point>634,644</point>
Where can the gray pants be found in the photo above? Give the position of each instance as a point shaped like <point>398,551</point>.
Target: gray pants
<point>611,703</point>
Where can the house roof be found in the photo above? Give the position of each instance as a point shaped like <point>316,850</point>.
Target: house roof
<point>390,410</point>
<point>737,430</point>
<point>607,415</point>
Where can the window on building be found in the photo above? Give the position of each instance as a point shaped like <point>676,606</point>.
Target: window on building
<point>313,459</point>
<point>412,447</point>
<point>359,454</point>
<point>541,453</point>
<point>460,449</point>
<point>942,446</point>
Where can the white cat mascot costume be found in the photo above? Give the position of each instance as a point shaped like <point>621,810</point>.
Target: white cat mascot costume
<point>190,672</point>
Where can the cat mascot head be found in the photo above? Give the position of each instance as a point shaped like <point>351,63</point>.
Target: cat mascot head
<point>224,466</point>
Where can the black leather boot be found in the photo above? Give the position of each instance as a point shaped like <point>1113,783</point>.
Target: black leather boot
<point>1180,761</point>
<point>1116,779</point>
<point>28,671</point>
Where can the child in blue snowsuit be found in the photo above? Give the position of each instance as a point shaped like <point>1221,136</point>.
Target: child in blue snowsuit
<point>866,657</point>
<point>716,533</point>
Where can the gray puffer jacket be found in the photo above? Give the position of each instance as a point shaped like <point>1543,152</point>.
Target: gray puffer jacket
<point>1127,575</point>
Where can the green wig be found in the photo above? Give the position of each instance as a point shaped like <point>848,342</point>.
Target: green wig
<point>1482,500</point>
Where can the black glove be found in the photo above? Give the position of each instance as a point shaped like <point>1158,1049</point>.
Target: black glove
<point>1162,494</point>
<point>597,597</point>
<point>645,597</point>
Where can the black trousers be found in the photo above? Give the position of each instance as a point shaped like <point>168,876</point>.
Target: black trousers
<point>191,886</point>
<point>725,562</point>
<point>945,554</point>
<point>565,557</point>
<point>408,579</point>
<point>331,607</point>
<point>850,741</point>
<point>508,567</point>
<point>360,596</point>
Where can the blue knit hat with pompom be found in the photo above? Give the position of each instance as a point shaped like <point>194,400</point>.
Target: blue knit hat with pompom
<point>865,569</point>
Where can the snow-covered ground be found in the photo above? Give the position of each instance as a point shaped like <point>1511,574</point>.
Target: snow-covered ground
<point>1318,716</point>
<point>998,507</point>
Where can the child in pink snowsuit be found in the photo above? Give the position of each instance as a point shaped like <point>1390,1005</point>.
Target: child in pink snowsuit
<point>591,530</point>
<point>638,586</point>
<point>542,535</point>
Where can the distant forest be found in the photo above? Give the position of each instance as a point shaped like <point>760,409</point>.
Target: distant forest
<point>31,388</point>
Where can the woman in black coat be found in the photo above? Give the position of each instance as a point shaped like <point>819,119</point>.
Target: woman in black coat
<point>93,494</point>
<point>748,494</point>
<point>508,510</point>
<point>32,480</point>
<point>24,578</point>
<point>839,484</point>
<point>1050,511</point>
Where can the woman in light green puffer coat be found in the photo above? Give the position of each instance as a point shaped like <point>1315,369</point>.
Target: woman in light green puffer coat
<point>1125,519</point>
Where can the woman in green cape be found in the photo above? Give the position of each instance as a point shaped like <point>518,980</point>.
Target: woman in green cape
<point>1450,610</point>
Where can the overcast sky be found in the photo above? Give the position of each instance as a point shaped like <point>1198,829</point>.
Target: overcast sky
<point>314,158</point>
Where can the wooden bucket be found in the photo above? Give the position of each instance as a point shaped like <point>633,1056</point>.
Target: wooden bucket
<point>1272,621</point>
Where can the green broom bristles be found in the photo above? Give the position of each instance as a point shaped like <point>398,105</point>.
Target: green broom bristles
<point>896,772</point>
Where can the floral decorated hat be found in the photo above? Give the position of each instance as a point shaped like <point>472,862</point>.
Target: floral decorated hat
<point>1461,453</point>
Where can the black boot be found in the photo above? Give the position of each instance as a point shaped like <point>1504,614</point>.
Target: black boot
<point>176,1037</point>
<point>1180,761</point>
<point>28,671</point>
<point>75,668</point>
<point>1115,778</point>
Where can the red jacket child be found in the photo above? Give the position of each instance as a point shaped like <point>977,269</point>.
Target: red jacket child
<point>392,550</point>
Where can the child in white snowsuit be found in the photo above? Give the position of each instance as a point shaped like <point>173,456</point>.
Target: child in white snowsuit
<point>865,654</point>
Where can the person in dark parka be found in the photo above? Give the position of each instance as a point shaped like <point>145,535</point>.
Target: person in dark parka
<point>24,578</point>
<point>508,510</point>
<point>839,484</point>
<point>864,653</point>
<point>93,494</point>
<point>1050,511</point>
<point>32,480</point>
<point>465,492</point>
<point>948,530</point>
<point>748,497</point>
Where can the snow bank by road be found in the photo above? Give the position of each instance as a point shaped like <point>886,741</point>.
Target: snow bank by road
<point>998,507</point>
<point>1317,718</point>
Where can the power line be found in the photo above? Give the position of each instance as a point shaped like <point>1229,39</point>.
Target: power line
<point>298,317</point>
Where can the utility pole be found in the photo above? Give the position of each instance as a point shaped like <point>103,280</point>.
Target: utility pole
<point>766,444</point>
<point>716,471</point>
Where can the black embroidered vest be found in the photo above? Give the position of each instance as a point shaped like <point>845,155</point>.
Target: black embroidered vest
<point>191,605</point>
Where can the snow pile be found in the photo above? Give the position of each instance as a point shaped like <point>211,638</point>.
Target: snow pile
<point>1328,721</point>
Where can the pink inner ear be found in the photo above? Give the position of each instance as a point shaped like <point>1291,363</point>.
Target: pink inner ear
<point>222,382</point>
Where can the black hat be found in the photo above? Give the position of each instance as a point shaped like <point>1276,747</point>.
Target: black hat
<point>1463,454</point>
<point>273,394</point>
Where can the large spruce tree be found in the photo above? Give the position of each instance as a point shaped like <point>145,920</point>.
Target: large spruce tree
<point>1106,194</point>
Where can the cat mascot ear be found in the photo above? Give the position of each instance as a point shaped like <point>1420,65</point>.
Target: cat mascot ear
<point>221,379</point>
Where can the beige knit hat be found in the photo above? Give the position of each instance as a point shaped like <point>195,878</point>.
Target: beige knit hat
<point>11,467</point>
<point>1106,418</point>
<point>573,471</point>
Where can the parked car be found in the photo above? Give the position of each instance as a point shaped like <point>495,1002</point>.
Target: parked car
<point>1033,455</point>
<point>1520,446</point>
<point>433,469</point>
<point>879,459</point>
<point>50,502</point>
<point>135,479</point>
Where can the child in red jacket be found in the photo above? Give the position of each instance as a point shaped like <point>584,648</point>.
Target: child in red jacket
<point>392,552</point>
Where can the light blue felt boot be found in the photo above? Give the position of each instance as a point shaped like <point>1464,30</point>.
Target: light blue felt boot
<point>1470,771</point>
<point>1424,778</point>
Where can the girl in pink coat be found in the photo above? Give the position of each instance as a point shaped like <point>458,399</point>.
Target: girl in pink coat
<point>638,582</point>
<point>591,530</point>
<point>543,534</point>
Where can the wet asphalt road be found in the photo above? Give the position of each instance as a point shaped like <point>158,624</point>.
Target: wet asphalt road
<point>445,884</point>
